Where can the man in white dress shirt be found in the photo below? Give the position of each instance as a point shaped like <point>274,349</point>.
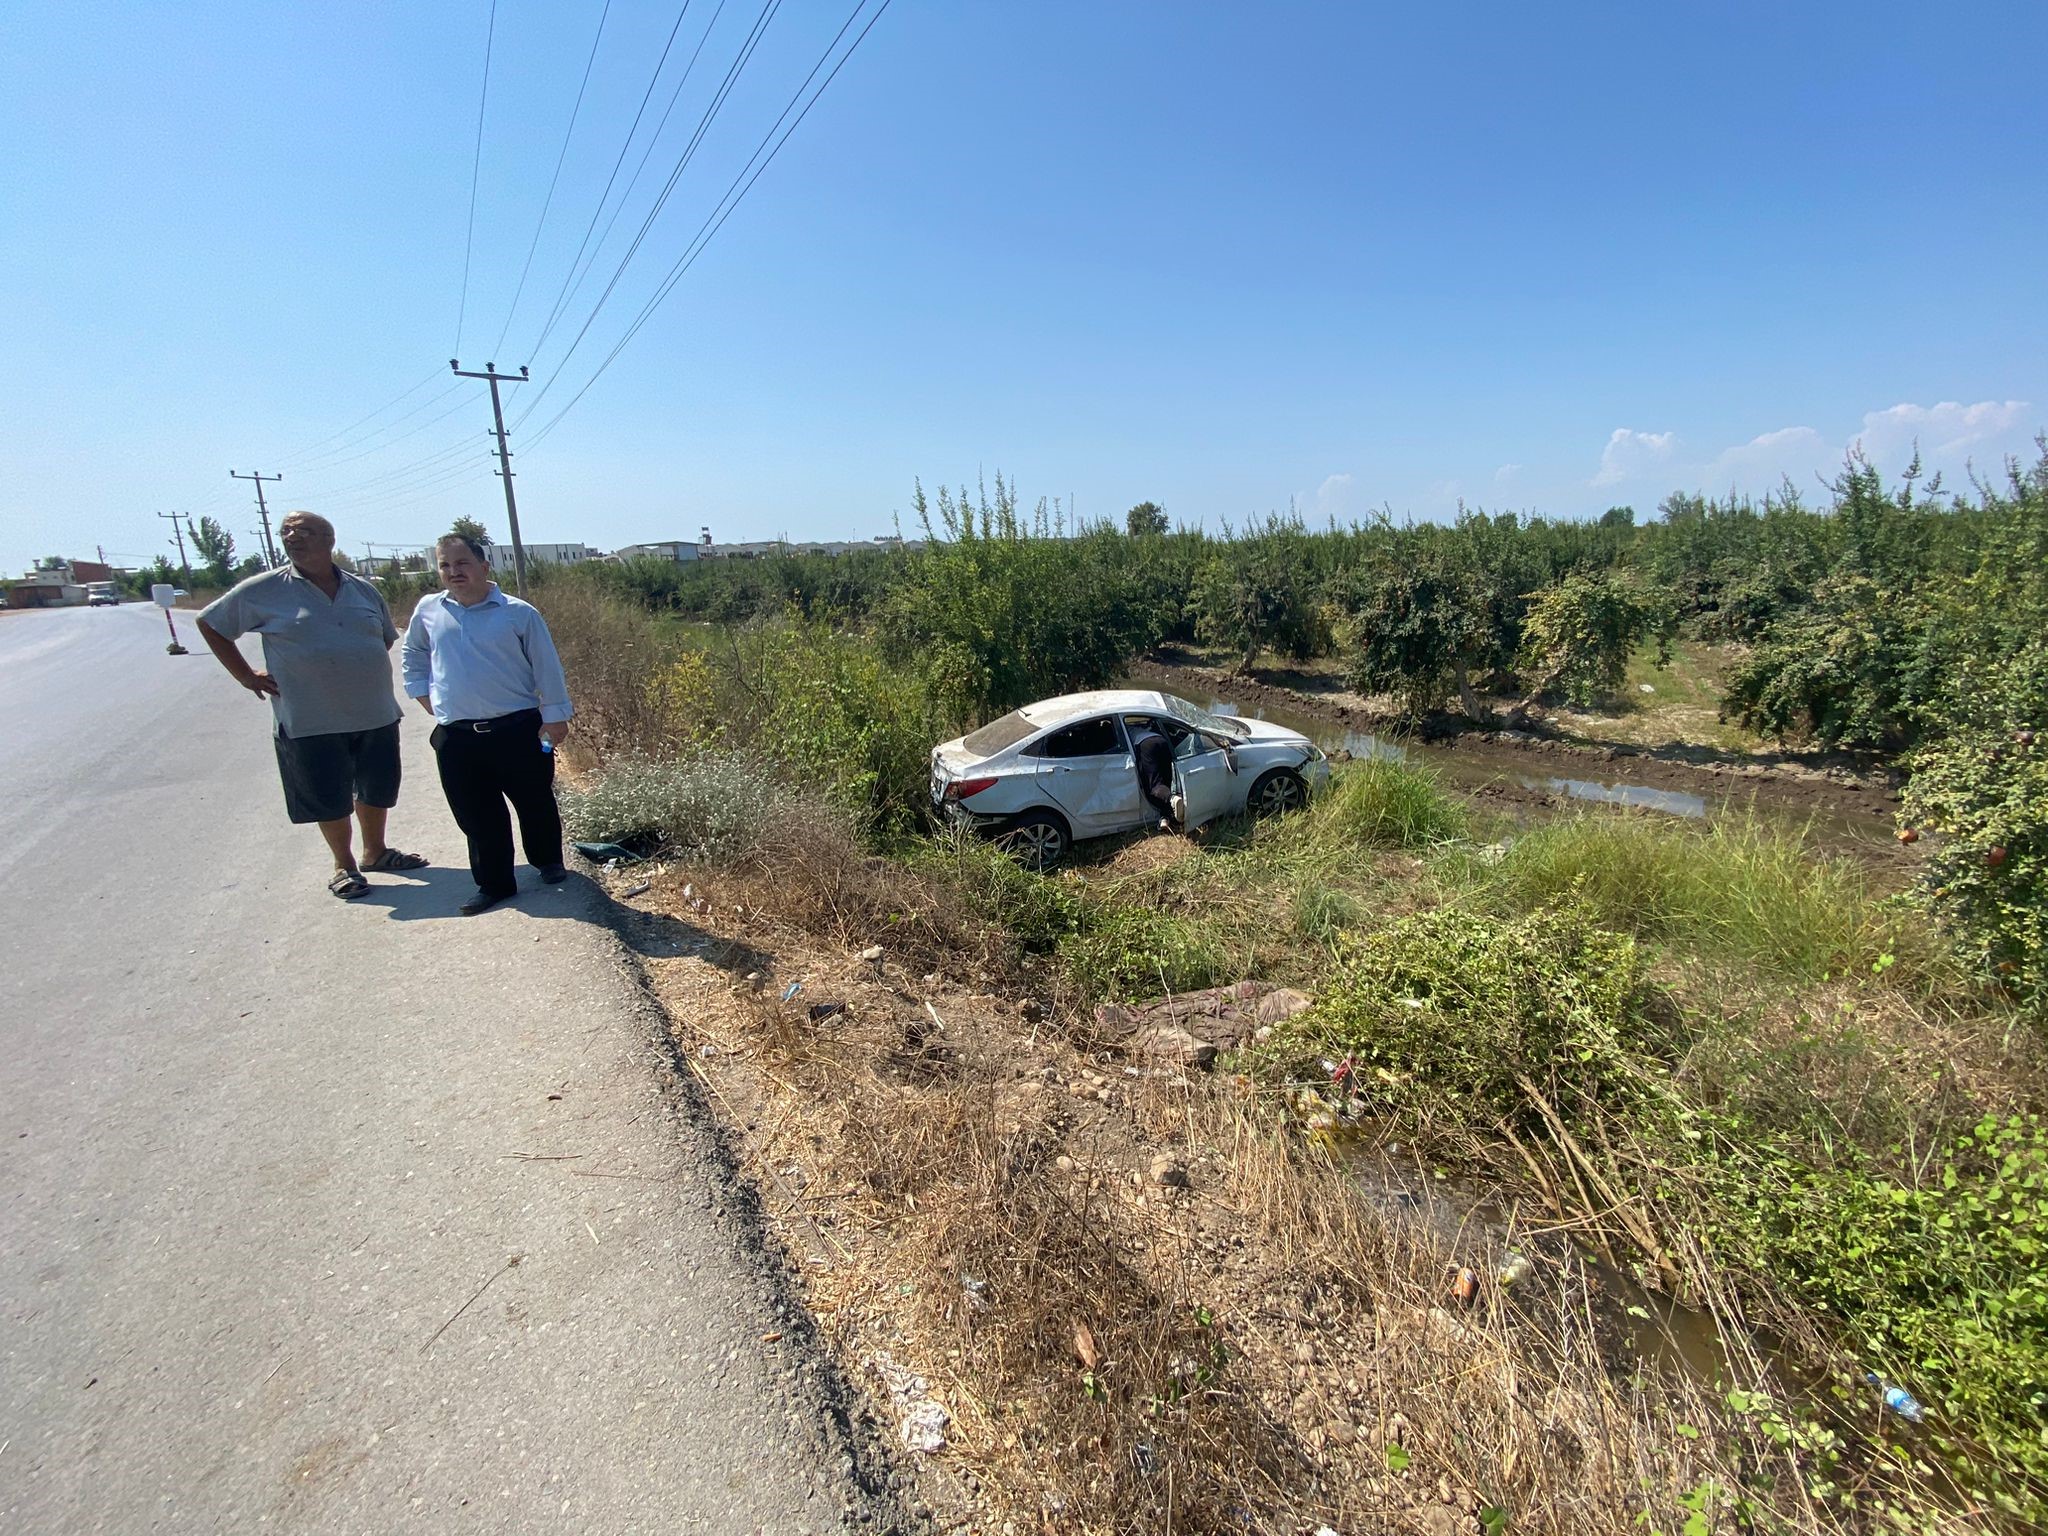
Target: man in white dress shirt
<point>484,665</point>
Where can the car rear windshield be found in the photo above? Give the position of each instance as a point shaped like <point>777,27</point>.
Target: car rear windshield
<point>998,734</point>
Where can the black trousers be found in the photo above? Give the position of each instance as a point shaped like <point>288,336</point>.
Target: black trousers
<point>480,771</point>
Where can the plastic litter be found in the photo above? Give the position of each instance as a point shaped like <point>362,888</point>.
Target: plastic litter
<point>820,1012</point>
<point>791,991</point>
<point>636,890</point>
<point>1897,1399</point>
<point>1514,1270</point>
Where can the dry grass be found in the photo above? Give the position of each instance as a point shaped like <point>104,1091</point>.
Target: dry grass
<point>971,1193</point>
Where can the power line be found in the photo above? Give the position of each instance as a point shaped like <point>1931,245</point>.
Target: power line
<point>299,453</point>
<point>387,447</point>
<point>732,74</point>
<point>421,465</point>
<point>576,278</point>
<point>716,220</point>
<point>548,201</point>
<point>327,459</point>
<point>598,212</point>
<point>475,167</point>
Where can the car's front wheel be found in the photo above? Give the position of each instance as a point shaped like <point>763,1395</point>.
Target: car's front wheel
<point>1277,793</point>
<point>1038,840</point>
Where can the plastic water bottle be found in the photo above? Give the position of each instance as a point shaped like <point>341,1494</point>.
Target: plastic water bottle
<point>547,746</point>
<point>1898,1399</point>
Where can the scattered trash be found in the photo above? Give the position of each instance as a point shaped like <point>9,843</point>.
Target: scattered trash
<point>707,1051</point>
<point>1898,1399</point>
<point>636,890</point>
<point>601,853</point>
<point>1144,1459</point>
<point>792,990</point>
<point>1644,688</point>
<point>920,1421</point>
<point>755,981</point>
<point>1169,1172</point>
<point>976,1292</point>
<point>1084,1345</point>
<point>872,954</point>
<point>690,892</point>
<point>1515,1270</point>
<point>820,1012</point>
<point>1464,1286</point>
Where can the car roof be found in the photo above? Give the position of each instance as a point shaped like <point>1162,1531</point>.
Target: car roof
<point>1101,701</point>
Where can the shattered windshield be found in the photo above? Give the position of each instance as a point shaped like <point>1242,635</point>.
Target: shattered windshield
<point>1202,720</point>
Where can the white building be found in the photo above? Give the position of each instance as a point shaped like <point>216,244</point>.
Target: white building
<point>661,549</point>
<point>538,554</point>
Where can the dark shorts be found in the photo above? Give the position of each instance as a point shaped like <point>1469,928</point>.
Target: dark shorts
<point>324,776</point>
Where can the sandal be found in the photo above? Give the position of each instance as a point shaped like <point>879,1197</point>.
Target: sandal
<point>348,884</point>
<point>391,861</point>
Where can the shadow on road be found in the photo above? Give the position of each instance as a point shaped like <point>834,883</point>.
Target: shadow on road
<point>426,894</point>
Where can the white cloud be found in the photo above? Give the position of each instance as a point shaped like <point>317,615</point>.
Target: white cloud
<point>1763,461</point>
<point>1333,498</point>
<point>1506,473</point>
<point>1630,453</point>
<point>1947,431</point>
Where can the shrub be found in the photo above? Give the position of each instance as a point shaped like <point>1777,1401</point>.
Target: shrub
<point>705,807</point>
<point>1456,1008</point>
<point>1580,634</point>
<point>1984,788</point>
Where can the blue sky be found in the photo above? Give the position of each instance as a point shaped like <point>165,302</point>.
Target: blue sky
<point>1221,257</point>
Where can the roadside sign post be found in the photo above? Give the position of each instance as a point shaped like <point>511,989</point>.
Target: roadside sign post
<point>164,595</point>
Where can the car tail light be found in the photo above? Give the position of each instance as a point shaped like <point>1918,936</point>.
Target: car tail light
<point>960,789</point>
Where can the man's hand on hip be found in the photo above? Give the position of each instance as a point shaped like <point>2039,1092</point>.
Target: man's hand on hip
<point>556,731</point>
<point>262,684</point>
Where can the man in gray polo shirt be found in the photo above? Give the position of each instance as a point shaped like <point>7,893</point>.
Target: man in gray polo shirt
<point>325,633</point>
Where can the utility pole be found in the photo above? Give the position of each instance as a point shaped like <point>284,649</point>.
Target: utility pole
<point>183,564</point>
<point>269,550</point>
<point>504,458</point>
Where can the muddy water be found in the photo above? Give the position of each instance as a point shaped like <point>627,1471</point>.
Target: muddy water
<point>1486,770</point>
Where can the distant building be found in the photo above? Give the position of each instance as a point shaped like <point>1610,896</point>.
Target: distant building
<point>662,549</point>
<point>57,583</point>
<point>538,554</point>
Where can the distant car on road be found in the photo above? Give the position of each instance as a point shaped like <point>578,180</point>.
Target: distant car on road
<point>102,594</point>
<point>1062,770</point>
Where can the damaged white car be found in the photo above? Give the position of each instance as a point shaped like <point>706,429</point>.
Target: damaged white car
<point>1050,774</point>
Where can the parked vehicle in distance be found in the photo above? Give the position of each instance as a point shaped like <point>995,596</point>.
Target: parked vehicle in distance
<point>1062,770</point>
<point>102,594</point>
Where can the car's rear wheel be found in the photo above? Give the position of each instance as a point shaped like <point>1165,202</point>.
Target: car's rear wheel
<point>1037,839</point>
<point>1278,792</point>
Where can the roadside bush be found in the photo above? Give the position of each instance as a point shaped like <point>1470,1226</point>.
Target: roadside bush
<point>1259,593</point>
<point>614,658</point>
<point>1454,1009</point>
<point>706,807</point>
<point>1938,1284</point>
<point>1416,631</point>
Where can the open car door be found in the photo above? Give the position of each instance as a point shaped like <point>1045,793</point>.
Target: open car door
<point>1205,781</point>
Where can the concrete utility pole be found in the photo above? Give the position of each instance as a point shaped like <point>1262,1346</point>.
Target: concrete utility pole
<point>504,459</point>
<point>183,564</point>
<point>269,549</point>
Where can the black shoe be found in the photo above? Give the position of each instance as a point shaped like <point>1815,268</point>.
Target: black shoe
<point>483,901</point>
<point>554,874</point>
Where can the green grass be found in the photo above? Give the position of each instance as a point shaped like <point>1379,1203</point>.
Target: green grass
<point>1734,888</point>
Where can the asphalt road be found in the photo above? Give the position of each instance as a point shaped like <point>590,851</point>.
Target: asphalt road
<point>270,1159</point>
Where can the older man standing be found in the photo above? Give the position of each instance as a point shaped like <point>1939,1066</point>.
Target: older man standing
<point>326,634</point>
<point>484,665</point>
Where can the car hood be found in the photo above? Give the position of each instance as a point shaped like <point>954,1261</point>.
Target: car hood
<point>1265,731</point>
